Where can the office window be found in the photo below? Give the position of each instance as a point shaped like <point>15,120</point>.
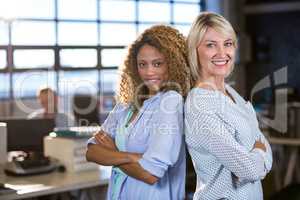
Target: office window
<point>109,81</point>
<point>14,9</point>
<point>77,9</point>
<point>77,33</point>
<point>185,13</point>
<point>4,86</point>
<point>143,27</point>
<point>41,58</point>
<point>188,1</point>
<point>117,34</point>
<point>3,33</point>
<point>3,62</point>
<point>78,82</point>
<point>78,58</point>
<point>113,57</point>
<point>33,33</point>
<point>184,29</point>
<point>159,12</point>
<point>117,10</point>
<point>77,41</point>
<point>8,9</point>
<point>26,84</point>
<point>42,9</point>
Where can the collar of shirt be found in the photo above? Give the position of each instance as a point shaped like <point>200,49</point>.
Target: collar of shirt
<point>151,99</point>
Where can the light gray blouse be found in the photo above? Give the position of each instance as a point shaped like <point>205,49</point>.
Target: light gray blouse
<point>220,135</point>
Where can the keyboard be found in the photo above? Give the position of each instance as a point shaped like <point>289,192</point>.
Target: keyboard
<point>33,163</point>
<point>31,167</point>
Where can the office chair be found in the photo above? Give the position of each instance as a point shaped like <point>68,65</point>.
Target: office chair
<point>86,110</point>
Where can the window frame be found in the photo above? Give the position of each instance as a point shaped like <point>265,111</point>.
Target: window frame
<point>10,48</point>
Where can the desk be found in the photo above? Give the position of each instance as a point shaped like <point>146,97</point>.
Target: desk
<point>53,183</point>
<point>293,144</point>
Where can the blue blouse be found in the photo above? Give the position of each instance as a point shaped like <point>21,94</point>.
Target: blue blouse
<point>220,135</point>
<point>157,133</point>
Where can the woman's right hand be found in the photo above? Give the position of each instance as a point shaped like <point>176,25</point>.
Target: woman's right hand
<point>135,157</point>
<point>102,138</point>
<point>259,145</point>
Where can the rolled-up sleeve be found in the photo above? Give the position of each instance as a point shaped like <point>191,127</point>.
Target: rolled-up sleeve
<point>166,140</point>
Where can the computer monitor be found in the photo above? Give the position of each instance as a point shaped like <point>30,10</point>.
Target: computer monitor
<point>86,110</point>
<point>27,134</point>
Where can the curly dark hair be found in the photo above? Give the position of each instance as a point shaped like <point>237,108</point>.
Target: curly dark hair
<point>172,45</point>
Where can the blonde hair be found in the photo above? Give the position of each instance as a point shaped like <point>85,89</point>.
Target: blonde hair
<point>199,27</point>
<point>172,45</point>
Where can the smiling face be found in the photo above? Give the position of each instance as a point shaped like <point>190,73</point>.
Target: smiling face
<point>216,54</point>
<point>152,67</point>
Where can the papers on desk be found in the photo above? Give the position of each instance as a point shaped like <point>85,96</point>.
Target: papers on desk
<point>5,189</point>
<point>76,132</point>
<point>22,187</point>
<point>70,152</point>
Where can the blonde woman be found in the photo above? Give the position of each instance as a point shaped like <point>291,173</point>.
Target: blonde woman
<point>142,138</point>
<point>229,152</point>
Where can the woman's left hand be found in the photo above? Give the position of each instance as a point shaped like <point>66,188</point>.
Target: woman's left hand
<point>105,140</point>
<point>135,157</point>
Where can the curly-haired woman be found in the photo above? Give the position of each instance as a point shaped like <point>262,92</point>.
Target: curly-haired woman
<point>142,138</point>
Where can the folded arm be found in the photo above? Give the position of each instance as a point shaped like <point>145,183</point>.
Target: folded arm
<point>212,134</point>
<point>136,171</point>
<point>132,169</point>
<point>165,144</point>
<point>267,154</point>
<point>101,155</point>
